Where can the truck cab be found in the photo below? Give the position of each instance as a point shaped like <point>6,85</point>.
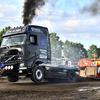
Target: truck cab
<point>24,48</point>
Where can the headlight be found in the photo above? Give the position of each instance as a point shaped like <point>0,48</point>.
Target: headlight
<point>8,67</point>
<point>22,65</point>
<point>11,67</point>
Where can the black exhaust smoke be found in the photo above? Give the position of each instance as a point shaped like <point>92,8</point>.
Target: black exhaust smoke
<point>93,9</point>
<point>29,11</point>
<point>30,7</point>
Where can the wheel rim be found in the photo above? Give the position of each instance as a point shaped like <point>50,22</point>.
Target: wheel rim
<point>39,74</point>
<point>72,77</point>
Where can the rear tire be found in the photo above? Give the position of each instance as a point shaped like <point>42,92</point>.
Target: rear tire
<point>37,74</point>
<point>12,78</point>
<point>71,76</point>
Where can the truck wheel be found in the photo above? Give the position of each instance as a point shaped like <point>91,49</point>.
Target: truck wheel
<point>12,78</point>
<point>37,74</point>
<point>71,76</point>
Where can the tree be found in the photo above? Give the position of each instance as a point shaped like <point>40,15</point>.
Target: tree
<point>92,50</point>
<point>2,32</point>
<point>74,51</point>
<point>56,45</point>
<point>98,52</point>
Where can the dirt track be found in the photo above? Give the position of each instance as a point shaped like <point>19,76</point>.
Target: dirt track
<point>27,90</point>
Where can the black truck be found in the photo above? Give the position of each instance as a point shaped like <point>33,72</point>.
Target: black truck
<point>26,51</point>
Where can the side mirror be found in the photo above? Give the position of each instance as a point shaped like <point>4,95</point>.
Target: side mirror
<point>32,39</point>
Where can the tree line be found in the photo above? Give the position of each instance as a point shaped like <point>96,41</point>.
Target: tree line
<point>71,50</point>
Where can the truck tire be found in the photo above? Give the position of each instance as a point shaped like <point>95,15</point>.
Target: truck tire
<point>12,78</point>
<point>37,74</point>
<point>71,76</point>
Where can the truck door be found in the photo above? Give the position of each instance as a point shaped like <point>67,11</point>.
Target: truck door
<point>32,48</point>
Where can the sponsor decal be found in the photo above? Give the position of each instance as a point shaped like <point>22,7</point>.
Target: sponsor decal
<point>43,53</point>
<point>35,29</point>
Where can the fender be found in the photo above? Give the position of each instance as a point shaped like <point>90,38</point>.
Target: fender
<point>38,61</point>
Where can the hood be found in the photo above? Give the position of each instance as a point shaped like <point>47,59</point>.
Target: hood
<point>10,50</point>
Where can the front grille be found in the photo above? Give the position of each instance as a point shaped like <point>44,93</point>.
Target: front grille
<point>11,59</point>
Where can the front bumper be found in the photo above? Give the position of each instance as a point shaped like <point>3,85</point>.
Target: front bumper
<point>15,71</point>
<point>22,70</point>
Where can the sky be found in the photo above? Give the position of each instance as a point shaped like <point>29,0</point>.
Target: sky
<point>64,17</point>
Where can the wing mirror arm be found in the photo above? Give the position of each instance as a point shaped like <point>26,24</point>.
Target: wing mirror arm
<point>29,43</point>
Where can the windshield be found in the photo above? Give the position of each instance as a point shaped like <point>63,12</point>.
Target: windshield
<point>16,39</point>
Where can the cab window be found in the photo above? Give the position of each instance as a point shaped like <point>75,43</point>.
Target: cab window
<point>43,41</point>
